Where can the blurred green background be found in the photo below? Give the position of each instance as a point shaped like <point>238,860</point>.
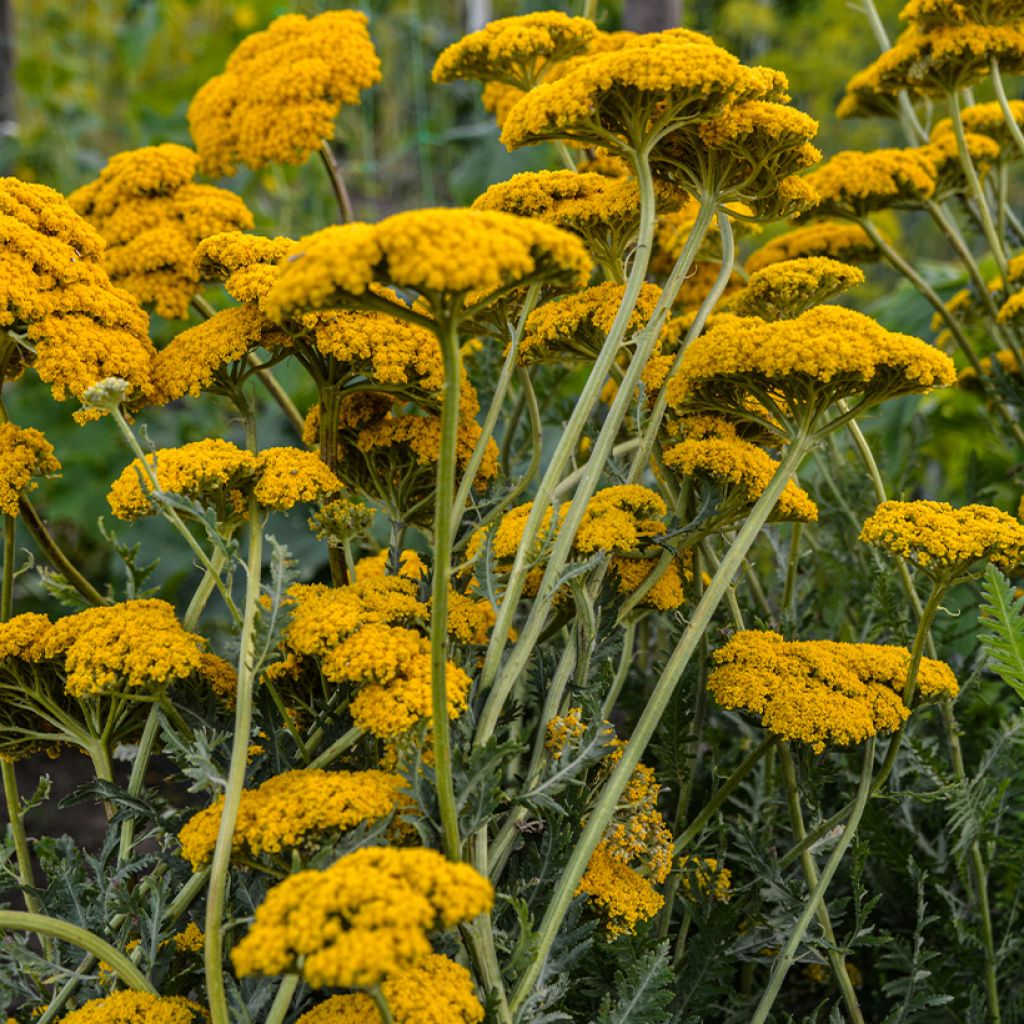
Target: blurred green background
<point>94,77</point>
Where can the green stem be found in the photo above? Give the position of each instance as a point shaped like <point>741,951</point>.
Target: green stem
<point>382,1005</point>
<point>338,747</point>
<point>622,672</point>
<point>835,958</point>
<point>138,776</point>
<point>21,850</point>
<point>278,393</point>
<point>7,594</point>
<point>974,183</point>
<point>206,587</point>
<point>606,803</point>
<point>444,523</point>
<point>282,1000</point>
<point>337,179</point>
<point>788,953</point>
<point>221,862</point>
<point>1004,103</point>
<point>18,921</point>
<point>330,406</point>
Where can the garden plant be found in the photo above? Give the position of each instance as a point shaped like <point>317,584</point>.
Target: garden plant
<point>578,621</point>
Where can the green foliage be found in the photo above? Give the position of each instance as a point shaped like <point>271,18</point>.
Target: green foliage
<point>1002,621</point>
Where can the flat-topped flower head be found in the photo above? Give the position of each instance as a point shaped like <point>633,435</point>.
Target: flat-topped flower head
<point>410,565</point>
<point>621,98</point>
<point>1001,364</point>
<point>943,58</point>
<point>748,153</point>
<point>821,692</point>
<point>365,917</point>
<point>297,810</point>
<point>55,296</point>
<point>854,184</point>
<point>439,253</point>
<point>945,542</point>
<point>987,119</point>
<point>434,990</point>
<point>784,290</point>
<point>24,455</point>
<point>944,153</point>
<point>838,240</point>
<point>152,215</point>
<point>288,476</point>
<point>212,355</point>
<point>246,264</point>
<point>866,97</point>
<point>740,471</point>
<point>515,51</point>
<point>281,91</point>
<point>620,894</point>
<point>778,374</point>
<point>575,327</point>
<point>604,211</point>
<point>130,1007</point>
<point>133,645</point>
<point>927,13</point>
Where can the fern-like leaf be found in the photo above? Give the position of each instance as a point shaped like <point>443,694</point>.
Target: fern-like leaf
<point>643,990</point>
<point>1002,624</point>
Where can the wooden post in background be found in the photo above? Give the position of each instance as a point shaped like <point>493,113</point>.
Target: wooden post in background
<point>8,118</point>
<point>652,15</point>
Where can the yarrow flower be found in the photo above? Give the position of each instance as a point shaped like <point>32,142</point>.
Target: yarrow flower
<point>436,252</point>
<point>281,91</point>
<point>130,1007</point>
<point>704,876</point>
<point>515,51</point>
<point>784,290</point>
<point>944,153</point>
<point>821,692</point>
<point>853,184</point>
<point>367,916</point>
<point>434,990</point>
<point>847,243</point>
<point>987,119</point>
<point>945,542</point>
<point>152,215</point>
<point>246,264</point>
<point>293,811</point>
<point>24,453</point>
<point>620,894</point>
<point>78,328</point>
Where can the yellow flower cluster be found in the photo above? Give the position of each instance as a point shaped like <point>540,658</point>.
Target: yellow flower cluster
<point>281,91</point>
<point>944,153</point>
<point>137,1008</point>
<point>744,470</point>
<point>410,565</point>
<point>434,990</point>
<point>246,264</point>
<point>434,251</point>
<point>681,81</point>
<point>826,353</point>
<point>360,636</point>
<point>669,590</point>
<point>854,184</point>
<point>847,243</point>
<point>1003,363</point>
<point>292,810</point>
<point>987,119</point>
<point>821,692</point>
<point>189,940</point>
<point>133,645</point>
<point>365,917</point>
<point>152,215</point>
<point>514,51</point>
<point>703,875</point>
<point>197,358</point>
<point>943,540</point>
<point>954,12</point>
<point>577,325</point>
<point>54,290</point>
<point>787,288</point>
<point>218,474</point>
<point>24,453</point>
<point>622,895</point>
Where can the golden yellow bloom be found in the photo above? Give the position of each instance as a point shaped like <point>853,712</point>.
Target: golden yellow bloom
<point>942,540</point>
<point>1012,312</point>
<point>80,329</point>
<point>954,12</point>
<point>987,119</point>
<point>133,645</point>
<point>623,896</point>
<point>197,359</point>
<point>576,326</point>
<point>281,91</point>
<point>499,98</point>
<point>821,692</point>
<point>189,940</point>
<point>787,288</point>
<point>209,471</point>
<point>288,476</point>
<point>565,731</point>
<point>246,264</point>
<point>432,252</point>
<point>950,178</point>
<point>854,184</point>
<point>366,916</point>
<point>667,593</point>
<point>434,990</point>
<point>22,636</point>
<point>137,1008</point>
<point>703,875</point>
<point>410,565</point>
<point>470,619</point>
<point>744,471</point>
<point>847,243</point>
<point>24,454</point>
<point>515,50</point>
<point>293,811</point>
<point>806,363</point>
<point>152,215</point>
